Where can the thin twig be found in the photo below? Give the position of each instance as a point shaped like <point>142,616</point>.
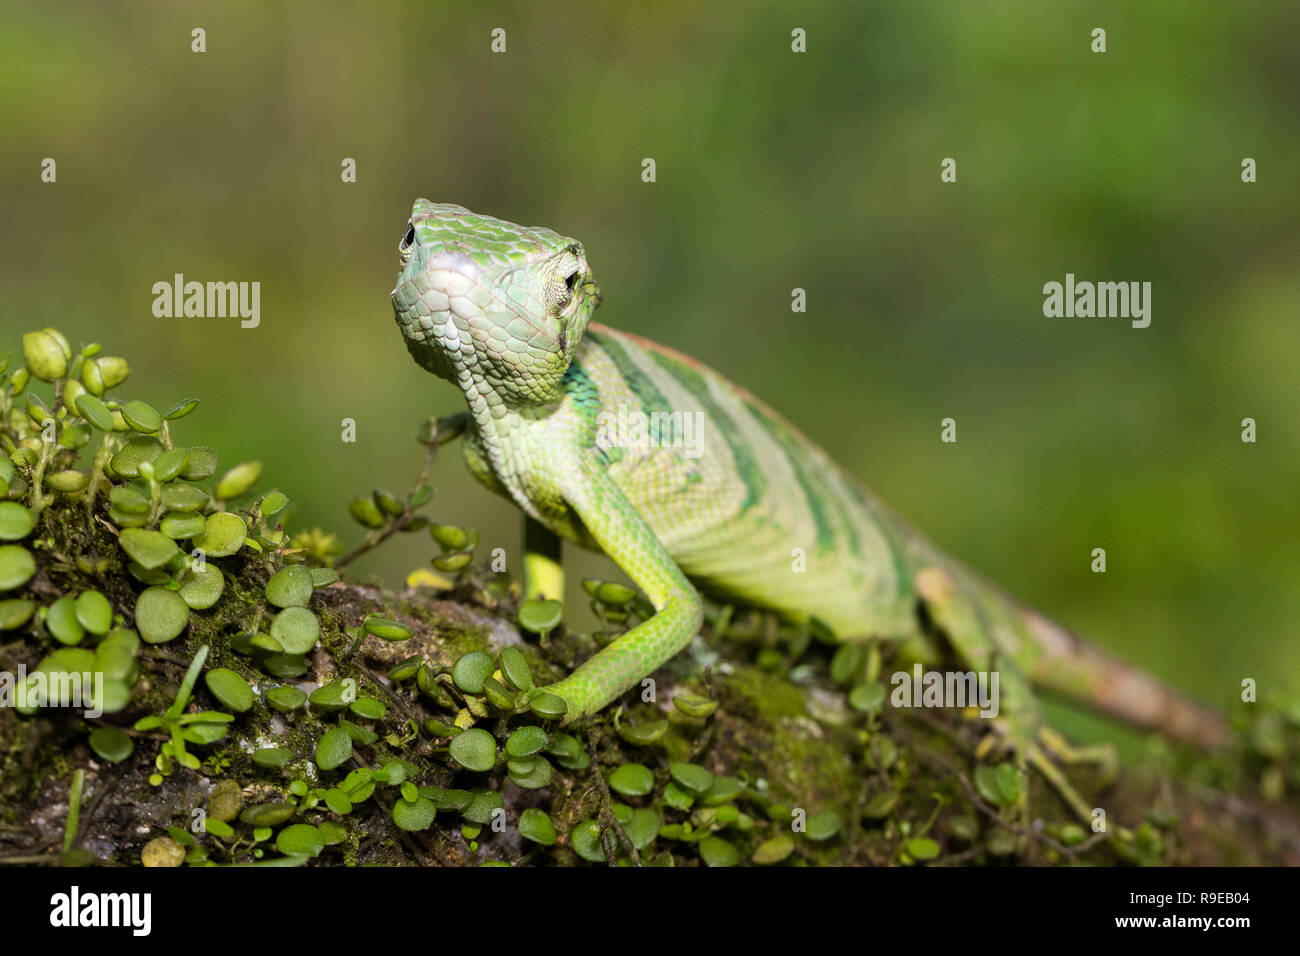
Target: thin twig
<point>936,762</point>
<point>606,812</point>
<point>440,436</point>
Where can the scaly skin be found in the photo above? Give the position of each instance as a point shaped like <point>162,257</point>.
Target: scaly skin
<point>754,511</point>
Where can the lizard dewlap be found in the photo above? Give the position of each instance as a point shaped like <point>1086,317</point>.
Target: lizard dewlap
<point>688,482</point>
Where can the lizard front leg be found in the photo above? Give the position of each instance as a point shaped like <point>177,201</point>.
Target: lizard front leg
<point>624,535</point>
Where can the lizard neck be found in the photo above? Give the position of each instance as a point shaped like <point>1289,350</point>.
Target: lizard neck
<point>501,427</point>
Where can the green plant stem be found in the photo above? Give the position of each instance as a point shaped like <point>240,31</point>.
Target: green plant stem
<point>187,685</point>
<point>74,809</point>
<point>39,501</point>
<point>394,525</point>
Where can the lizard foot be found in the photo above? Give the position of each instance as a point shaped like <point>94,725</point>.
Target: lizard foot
<point>1045,750</point>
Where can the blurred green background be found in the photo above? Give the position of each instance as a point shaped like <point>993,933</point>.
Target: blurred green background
<point>775,170</point>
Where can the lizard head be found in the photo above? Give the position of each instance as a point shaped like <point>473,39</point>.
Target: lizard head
<point>493,307</point>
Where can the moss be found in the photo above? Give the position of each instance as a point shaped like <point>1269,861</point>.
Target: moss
<point>780,750</point>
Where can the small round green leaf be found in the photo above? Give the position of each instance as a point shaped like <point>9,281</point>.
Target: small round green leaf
<point>642,827</point>
<point>922,848</point>
<point>585,839</point>
<point>95,412</point>
<point>183,524</point>
<point>548,706</point>
<point>16,566</point>
<point>365,512</point>
<point>514,668</point>
<point>535,825</point>
<point>15,612</point>
<point>160,615</point>
<point>44,356</point>
<point>986,782</point>
<point>286,699</point>
<point>297,629</point>
<point>229,688</point>
<point>137,451</point>
<point>1010,783</point>
<point>334,747</point>
<point>94,612</point>
<point>449,537</point>
<point>499,695</point>
<point>61,621</point>
<point>300,839</point>
<point>881,805</point>
<point>530,773</point>
<point>115,656</point>
<point>722,790</point>
<point>181,498</point>
<point>367,708</point>
<point>320,577</point>
<point>642,735</point>
<point>471,670</point>
<point>200,463</point>
<point>332,697</point>
<point>181,409</point>
<point>111,743</point>
<point>405,669</point>
<point>632,780</point>
<point>694,706</point>
<point>273,504</point>
<point>334,833</point>
<point>453,563</point>
<point>691,776</point>
<point>417,814</point>
<point>15,521</point>
<point>238,480</point>
<point>149,549</point>
<point>867,697</point>
<point>613,593</point>
<point>127,500</point>
<point>289,587</point>
<point>202,589</point>
<point>224,535</point>
<point>715,851</point>
<point>169,464</point>
<point>272,758</point>
<point>387,630</point>
<point>218,828</point>
<point>474,749</point>
<point>113,369</point>
<point>269,814</point>
<point>773,850</point>
<point>67,480</point>
<point>540,617</point>
<point>526,741</point>
<point>142,417</point>
<point>824,825</point>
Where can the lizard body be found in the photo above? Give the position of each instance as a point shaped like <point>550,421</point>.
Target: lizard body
<point>725,497</point>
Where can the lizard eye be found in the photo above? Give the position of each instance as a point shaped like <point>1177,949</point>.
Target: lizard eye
<point>565,274</point>
<point>562,295</point>
<point>408,240</point>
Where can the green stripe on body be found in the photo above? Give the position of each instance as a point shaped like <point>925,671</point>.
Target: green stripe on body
<point>747,468</point>
<point>816,497</point>
<point>638,382</point>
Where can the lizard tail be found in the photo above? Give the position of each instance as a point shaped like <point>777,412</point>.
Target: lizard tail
<point>1065,664</point>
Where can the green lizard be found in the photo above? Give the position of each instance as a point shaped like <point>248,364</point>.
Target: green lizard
<point>728,499</point>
